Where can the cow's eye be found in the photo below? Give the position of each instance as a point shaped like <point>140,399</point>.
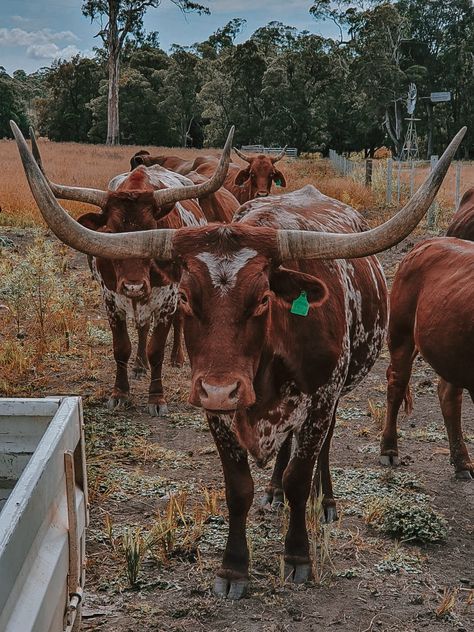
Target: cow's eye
<point>265,300</point>
<point>183,298</point>
<point>262,305</point>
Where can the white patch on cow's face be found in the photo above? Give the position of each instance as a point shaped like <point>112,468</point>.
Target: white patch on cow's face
<point>223,269</point>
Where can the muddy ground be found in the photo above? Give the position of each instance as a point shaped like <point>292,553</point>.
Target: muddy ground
<point>364,580</point>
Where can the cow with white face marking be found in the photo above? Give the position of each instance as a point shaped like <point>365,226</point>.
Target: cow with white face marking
<point>142,288</point>
<point>275,336</point>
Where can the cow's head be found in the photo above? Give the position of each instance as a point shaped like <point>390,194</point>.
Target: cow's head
<point>140,158</point>
<point>127,212</point>
<point>260,173</point>
<point>231,288</point>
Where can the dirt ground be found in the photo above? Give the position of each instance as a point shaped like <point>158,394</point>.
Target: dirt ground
<point>364,581</point>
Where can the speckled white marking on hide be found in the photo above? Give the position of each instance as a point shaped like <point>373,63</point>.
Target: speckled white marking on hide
<point>223,269</point>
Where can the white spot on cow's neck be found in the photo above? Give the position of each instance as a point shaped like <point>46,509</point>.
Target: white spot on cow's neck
<point>223,269</point>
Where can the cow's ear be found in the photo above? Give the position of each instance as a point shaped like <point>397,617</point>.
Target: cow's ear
<point>289,284</point>
<point>279,178</point>
<point>93,221</point>
<point>242,176</point>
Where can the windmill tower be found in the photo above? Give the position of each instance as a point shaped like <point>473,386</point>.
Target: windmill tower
<point>410,146</point>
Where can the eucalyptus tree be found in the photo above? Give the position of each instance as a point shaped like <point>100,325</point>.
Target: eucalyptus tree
<point>119,20</point>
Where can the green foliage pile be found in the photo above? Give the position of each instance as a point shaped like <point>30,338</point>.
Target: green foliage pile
<point>401,519</point>
<point>280,86</point>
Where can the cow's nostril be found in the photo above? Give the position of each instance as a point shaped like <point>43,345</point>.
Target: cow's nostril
<point>235,393</point>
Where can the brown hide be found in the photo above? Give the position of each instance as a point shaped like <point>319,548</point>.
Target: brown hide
<point>431,314</point>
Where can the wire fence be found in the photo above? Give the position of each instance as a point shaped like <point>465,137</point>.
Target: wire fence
<point>396,180</point>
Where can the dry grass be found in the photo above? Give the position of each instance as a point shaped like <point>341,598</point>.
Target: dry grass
<point>94,165</point>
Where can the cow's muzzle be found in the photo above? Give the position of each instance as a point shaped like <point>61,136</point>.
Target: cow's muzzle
<point>215,397</point>
<point>262,194</point>
<point>135,290</point>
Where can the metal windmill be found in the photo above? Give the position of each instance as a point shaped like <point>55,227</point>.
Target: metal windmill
<point>410,146</point>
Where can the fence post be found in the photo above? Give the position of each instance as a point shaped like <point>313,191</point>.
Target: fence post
<point>458,185</point>
<point>412,178</point>
<point>389,180</point>
<point>432,210</point>
<point>398,182</point>
<point>368,172</point>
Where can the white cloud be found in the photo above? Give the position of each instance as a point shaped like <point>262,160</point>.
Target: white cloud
<point>44,43</point>
<point>20,37</point>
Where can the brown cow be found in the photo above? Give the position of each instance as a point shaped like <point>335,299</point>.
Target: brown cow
<point>435,273</point>
<point>145,199</point>
<point>173,163</point>
<point>254,181</point>
<point>274,336</point>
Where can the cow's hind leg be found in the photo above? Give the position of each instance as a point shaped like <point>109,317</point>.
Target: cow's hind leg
<point>177,352</point>
<point>232,578</point>
<point>402,355</point>
<point>450,398</point>
<point>157,406</point>
<point>141,361</point>
<point>322,482</point>
<point>274,490</point>
<point>122,350</point>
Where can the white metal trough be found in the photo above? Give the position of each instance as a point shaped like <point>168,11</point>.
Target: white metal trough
<point>43,514</point>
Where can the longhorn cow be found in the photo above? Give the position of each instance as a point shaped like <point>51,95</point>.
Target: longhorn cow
<point>253,181</point>
<point>284,312</point>
<point>142,288</point>
<point>431,314</point>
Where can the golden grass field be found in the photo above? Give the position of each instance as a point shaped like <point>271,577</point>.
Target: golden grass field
<point>77,164</point>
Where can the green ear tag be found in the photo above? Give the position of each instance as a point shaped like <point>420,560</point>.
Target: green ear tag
<point>278,182</point>
<point>300,305</point>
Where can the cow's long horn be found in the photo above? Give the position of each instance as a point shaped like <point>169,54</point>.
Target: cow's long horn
<point>241,154</point>
<point>144,244</point>
<point>79,194</point>
<point>163,197</point>
<point>280,155</point>
<point>299,244</point>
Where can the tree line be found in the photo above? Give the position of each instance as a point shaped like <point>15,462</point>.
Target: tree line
<point>280,86</point>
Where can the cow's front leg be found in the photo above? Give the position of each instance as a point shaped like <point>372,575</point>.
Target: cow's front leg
<point>157,406</point>
<point>297,486</point>
<point>122,349</point>
<point>232,578</point>
<point>141,361</point>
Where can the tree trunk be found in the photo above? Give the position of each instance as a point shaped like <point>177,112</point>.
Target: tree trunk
<point>113,137</point>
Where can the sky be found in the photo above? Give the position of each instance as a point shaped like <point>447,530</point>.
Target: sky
<point>35,32</point>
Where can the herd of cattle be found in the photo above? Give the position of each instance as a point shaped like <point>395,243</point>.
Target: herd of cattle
<point>284,309</point>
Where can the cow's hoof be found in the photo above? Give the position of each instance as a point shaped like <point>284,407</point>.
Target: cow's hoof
<point>138,372</point>
<point>330,514</point>
<point>158,410</point>
<point>298,573</point>
<point>273,500</point>
<point>465,475</point>
<point>118,403</point>
<point>230,588</point>
<point>389,460</point>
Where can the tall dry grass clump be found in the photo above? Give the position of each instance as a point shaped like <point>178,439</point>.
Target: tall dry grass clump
<point>39,304</point>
